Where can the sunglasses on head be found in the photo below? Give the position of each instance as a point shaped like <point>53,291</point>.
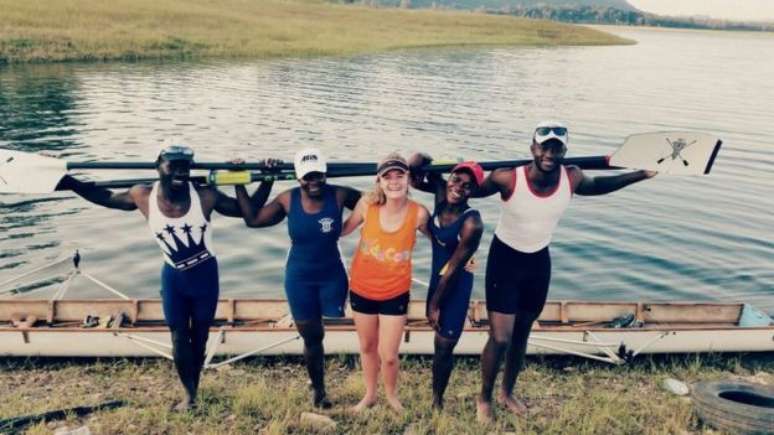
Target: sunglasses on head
<point>545,131</point>
<point>313,176</point>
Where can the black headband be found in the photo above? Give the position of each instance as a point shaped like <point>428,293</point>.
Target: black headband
<point>391,164</point>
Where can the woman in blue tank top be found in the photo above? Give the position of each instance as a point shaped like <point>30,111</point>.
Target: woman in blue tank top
<point>455,231</point>
<point>315,278</point>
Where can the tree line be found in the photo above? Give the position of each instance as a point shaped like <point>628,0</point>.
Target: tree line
<point>612,15</point>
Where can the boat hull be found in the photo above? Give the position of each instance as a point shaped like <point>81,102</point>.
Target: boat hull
<point>249,325</point>
<point>95,343</point>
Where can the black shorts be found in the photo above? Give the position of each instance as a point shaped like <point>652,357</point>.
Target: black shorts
<point>516,282</point>
<point>397,306</point>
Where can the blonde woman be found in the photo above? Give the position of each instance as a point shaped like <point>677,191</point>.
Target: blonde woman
<point>380,276</point>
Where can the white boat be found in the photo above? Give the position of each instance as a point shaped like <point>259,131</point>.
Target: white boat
<point>608,331</point>
<point>246,325</point>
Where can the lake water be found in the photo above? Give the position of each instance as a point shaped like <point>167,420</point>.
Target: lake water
<point>669,238</point>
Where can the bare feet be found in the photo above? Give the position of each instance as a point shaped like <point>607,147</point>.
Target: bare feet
<point>395,404</point>
<point>185,405</point>
<point>484,412</point>
<point>365,402</point>
<point>516,406</point>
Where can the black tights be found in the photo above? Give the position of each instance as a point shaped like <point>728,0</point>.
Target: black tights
<point>508,335</point>
<point>443,364</point>
<point>314,355</point>
<point>188,346</point>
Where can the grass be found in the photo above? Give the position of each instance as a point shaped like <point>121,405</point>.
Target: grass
<point>268,395</point>
<point>92,30</point>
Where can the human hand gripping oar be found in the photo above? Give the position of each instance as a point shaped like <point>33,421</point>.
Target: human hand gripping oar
<point>672,153</point>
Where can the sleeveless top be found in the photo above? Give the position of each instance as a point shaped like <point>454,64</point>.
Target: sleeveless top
<point>314,237</point>
<point>381,267</point>
<point>528,221</point>
<point>185,241</point>
<point>445,241</point>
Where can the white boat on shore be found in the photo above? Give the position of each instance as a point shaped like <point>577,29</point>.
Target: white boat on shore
<point>135,328</point>
<point>608,331</point>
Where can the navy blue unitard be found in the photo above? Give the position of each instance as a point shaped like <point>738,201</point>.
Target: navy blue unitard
<point>315,279</point>
<point>454,307</point>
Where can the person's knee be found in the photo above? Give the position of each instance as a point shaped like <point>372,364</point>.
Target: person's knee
<point>389,359</point>
<point>444,347</point>
<point>369,346</point>
<point>181,336</point>
<point>312,333</point>
<point>500,342</point>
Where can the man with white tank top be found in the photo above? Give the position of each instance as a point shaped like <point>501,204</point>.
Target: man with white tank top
<point>519,264</point>
<point>178,214</point>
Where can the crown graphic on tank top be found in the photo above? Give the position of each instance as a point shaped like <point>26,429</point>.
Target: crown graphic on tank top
<point>184,254</point>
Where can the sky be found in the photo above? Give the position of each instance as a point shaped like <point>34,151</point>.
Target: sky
<point>758,10</point>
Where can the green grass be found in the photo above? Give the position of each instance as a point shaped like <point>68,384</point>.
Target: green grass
<point>89,30</point>
<point>269,395</point>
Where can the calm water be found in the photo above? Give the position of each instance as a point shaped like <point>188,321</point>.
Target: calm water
<point>706,238</point>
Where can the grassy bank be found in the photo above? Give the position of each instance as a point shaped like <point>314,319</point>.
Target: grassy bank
<point>268,396</point>
<point>65,30</point>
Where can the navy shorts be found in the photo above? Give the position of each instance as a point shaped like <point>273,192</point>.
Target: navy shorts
<point>190,297</point>
<point>454,309</point>
<point>313,299</point>
<point>397,306</point>
<point>516,282</point>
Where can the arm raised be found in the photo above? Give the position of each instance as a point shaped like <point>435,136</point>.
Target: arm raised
<point>254,213</point>
<point>100,196</point>
<point>589,186</point>
<point>430,182</point>
<point>498,181</point>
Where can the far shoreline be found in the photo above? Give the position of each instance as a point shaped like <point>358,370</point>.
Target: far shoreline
<point>50,31</point>
<point>605,27</point>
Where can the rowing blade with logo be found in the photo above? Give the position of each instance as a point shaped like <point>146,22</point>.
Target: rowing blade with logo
<point>677,147</point>
<point>7,162</point>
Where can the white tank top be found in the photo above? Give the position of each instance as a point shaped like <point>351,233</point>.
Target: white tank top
<point>185,241</point>
<point>527,221</point>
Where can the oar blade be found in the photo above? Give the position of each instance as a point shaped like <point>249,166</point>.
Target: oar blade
<point>22,172</point>
<point>673,153</point>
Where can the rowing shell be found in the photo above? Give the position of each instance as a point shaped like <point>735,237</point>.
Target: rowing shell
<point>258,326</point>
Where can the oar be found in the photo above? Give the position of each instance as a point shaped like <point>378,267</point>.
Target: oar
<point>14,424</point>
<point>22,172</point>
<point>225,178</point>
<point>210,166</point>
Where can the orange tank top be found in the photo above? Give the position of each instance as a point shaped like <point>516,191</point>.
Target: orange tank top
<point>381,267</point>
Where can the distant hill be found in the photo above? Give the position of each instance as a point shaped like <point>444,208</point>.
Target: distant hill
<point>618,12</point>
<point>493,5</point>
